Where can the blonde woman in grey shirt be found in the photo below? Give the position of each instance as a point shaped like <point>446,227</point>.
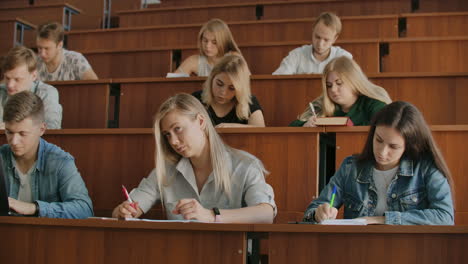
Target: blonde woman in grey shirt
<point>197,176</point>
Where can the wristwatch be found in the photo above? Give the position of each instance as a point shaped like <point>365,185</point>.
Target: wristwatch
<point>36,213</point>
<point>217,215</point>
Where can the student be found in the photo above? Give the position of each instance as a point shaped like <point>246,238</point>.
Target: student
<point>313,58</point>
<point>20,74</point>
<point>42,178</point>
<point>226,95</point>
<point>55,62</point>
<point>197,176</point>
<point>346,92</point>
<point>214,41</point>
<point>400,178</point>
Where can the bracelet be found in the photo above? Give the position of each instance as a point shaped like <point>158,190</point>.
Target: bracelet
<point>36,213</point>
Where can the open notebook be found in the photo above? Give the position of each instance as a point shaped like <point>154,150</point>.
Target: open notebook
<point>344,222</point>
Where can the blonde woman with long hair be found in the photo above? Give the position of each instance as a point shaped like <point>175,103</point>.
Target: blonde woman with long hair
<point>197,176</point>
<point>346,92</point>
<point>227,97</point>
<point>214,41</point>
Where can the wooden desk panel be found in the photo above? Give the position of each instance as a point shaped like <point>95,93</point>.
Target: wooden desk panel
<point>427,55</point>
<point>140,98</point>
<point>351,140</point>
<point>36,240</point>
<point>247,11</point>
<point>139,101</point>
<point>243,31</point>
<point>39,14</point>
<point>365,244</point>
<point>436,24</point>
<point>11,35</point>
<point>130,64</point>
<point>107,158</point>
<point>85,103</point>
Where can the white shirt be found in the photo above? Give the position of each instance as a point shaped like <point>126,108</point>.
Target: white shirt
<point>302,61</point>
<point>248,186</point>
<point>382,180</point>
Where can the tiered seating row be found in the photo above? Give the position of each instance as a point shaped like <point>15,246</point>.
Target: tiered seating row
<point>86,104</point>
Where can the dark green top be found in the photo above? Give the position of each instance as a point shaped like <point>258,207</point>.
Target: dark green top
<point>360,113</point>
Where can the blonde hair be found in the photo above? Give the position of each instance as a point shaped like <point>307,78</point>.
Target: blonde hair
<point>224,39</point>
<point>351,74</point>
<point>236,68</point>
<point>17,57</point>
<point>330,20</point>
<point>188,105</point>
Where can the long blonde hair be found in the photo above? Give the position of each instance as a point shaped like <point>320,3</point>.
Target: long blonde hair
<point>351,74</point>
<point>236,68</point>
<point>188,105</point>
<point>224,39</point>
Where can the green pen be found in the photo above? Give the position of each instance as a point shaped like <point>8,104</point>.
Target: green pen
<point>333,196</point>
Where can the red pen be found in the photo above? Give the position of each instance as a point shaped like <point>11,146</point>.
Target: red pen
<point>124,190</point>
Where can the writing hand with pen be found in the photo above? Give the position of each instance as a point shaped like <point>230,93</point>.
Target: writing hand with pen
<point>127,209</point>
<point>326,211</point>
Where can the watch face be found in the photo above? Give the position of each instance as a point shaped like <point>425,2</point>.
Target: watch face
<point>216,211</point>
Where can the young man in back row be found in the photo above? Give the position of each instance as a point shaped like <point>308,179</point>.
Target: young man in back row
<point>41,178</point>
<point>57,63</point>
<point>20,74</point>
<point>312,59</point>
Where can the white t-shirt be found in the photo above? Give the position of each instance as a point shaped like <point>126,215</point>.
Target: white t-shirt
<point>71,68</point>
<point>382,180</point>
<point>301,61</point>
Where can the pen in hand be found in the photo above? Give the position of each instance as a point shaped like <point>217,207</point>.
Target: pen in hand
<point>333,196</point>
<point>125,192</point>
<point>312,109</point>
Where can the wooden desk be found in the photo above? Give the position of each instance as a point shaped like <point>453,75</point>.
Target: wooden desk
<point>436,24</point>
<point>450,140</point>
<point>42,13</point>
<point>430,92</point>
<point>41,240</point>
<point>365,244</point>
<point>85,103</point>
<point>258,10</point>
<point>15,32</point>
<point>107,158</point>
<point>383,26</point>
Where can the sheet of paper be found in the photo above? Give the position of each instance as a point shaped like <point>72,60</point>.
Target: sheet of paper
<point>344,222</point>
<point>176,75</point>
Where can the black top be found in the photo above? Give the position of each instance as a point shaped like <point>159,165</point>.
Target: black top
<point>231,117</point>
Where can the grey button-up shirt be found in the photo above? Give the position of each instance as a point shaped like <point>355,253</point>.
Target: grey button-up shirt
<point>248,186</point>
<point>50,99</point>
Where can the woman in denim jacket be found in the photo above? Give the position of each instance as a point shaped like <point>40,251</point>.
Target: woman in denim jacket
<point>400,178</point>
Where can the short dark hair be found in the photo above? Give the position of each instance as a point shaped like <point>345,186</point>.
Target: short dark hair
<point>51,31</point>
<point>23,105</point>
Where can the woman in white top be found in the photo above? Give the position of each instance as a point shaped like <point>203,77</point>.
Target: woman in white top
<point>214,41</point>
<point>197,176</point>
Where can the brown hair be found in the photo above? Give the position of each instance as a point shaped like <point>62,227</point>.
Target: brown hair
<point>23,105</point>
<point>51,31</point>
<point>330,20</point>
<point>409,122</point>
<point>18,56</point>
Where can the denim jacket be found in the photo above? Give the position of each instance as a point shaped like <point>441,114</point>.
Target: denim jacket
<point>418,195</point>
<point>56,184</point>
